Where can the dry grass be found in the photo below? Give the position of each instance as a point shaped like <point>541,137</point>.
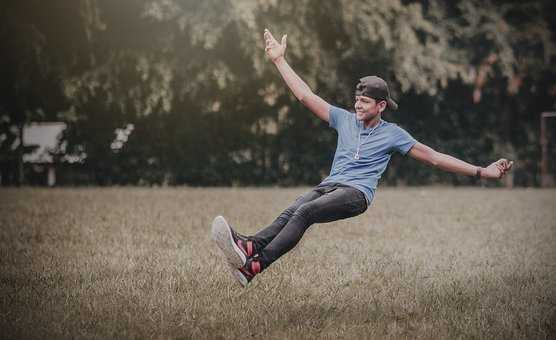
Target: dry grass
<point>139,263</point>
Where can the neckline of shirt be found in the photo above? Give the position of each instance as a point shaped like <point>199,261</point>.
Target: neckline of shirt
<point>360,125</point>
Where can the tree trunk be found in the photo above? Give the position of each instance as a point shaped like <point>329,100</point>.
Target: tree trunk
<point>20,170</point>
<point>507,121</point>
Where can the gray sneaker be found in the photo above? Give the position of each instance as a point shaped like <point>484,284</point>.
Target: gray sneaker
<point>235,247</point>
<point>245,274</point>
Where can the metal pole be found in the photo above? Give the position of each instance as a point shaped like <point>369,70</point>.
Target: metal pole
<point>546,178</point>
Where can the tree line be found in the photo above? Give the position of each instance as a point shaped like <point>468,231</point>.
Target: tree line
<point>180,92</point>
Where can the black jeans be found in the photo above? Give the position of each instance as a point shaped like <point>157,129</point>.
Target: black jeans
<point>325,203</point>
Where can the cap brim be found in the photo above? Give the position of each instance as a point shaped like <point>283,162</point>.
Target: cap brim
<point>392,105</point>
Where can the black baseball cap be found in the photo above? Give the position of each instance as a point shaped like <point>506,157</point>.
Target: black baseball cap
<point>376,88</point>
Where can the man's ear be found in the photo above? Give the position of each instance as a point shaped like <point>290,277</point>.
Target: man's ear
<point>382,105</point>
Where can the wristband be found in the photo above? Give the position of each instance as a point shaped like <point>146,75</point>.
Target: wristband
<point>478,173</point>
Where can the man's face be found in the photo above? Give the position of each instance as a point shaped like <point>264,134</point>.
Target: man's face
<point>367,108</point>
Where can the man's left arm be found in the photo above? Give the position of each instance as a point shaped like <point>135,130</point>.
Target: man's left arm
<point>445,162</point>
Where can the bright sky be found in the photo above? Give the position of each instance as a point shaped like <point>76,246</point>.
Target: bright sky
<point>46,136</point>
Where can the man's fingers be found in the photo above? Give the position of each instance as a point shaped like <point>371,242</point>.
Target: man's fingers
<point>270,40</point>
<point>507,165</point>
<point>269,36</point>
<point>502,166</point>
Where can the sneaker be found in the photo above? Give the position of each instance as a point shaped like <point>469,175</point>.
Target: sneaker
<point>235,247</point>
<point>246,273</point>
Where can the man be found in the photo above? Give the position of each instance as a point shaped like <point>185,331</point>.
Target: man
<point>365,145</point>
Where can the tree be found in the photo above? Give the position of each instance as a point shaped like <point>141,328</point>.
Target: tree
<point>207,108</point>
<point>39,50</point>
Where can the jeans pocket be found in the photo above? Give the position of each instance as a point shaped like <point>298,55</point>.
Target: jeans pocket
<point>357,207</point>
<point>362,206</point>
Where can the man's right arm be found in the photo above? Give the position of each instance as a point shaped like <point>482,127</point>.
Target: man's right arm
<point>300,89</point>
<point>449,163</point>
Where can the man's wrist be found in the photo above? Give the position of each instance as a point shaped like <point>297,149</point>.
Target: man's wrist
<point>279,60</point>
<point>479,172</point>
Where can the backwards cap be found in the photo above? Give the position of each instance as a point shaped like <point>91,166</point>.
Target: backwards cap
<point>376,88</point>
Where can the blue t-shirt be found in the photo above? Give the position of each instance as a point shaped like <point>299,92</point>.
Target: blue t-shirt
<point>374,153</point>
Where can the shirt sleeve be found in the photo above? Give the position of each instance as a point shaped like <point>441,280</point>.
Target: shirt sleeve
<point>337,117</point>
<point>403,141</point>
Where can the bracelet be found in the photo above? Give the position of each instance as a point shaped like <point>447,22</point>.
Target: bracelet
<point>478,173</point>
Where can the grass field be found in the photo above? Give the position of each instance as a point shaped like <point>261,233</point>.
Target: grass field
<point>139,263</point>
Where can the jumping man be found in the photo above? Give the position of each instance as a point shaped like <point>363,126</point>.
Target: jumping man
<point>365,145</point>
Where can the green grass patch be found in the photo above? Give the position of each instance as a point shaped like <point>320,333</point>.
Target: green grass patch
<point>139,263</point>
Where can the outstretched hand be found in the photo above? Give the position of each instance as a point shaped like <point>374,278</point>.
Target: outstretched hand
<point>273,49</point>
<point>497,169</point>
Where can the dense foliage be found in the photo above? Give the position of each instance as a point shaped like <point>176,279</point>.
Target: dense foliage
<point>180,92</point>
